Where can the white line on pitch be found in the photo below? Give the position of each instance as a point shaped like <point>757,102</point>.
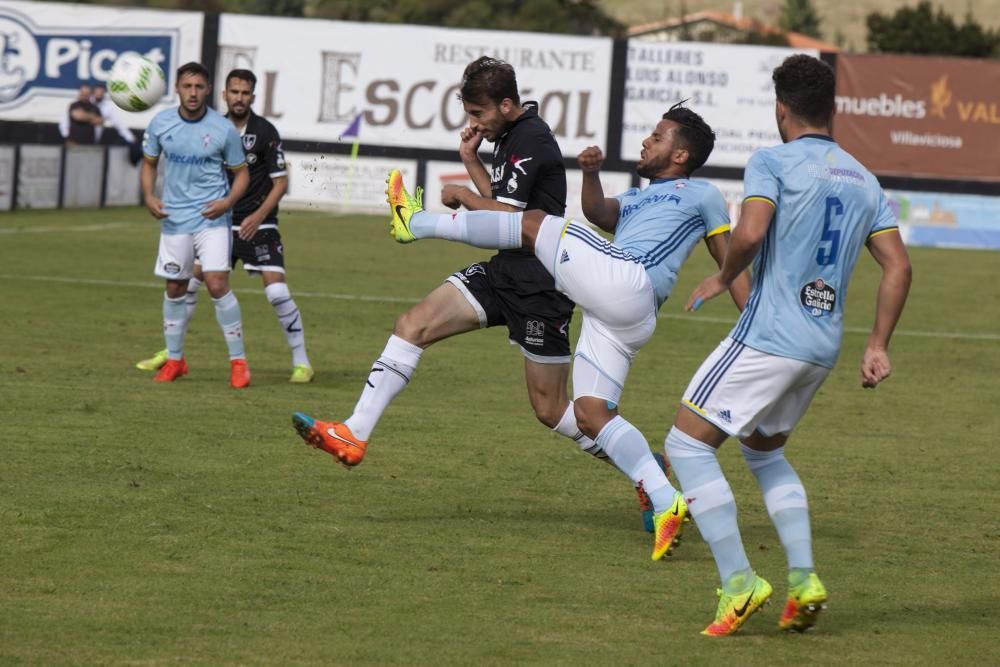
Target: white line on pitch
<point>68,228</point>
<point>396,299</point>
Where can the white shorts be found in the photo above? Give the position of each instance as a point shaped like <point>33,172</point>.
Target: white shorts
<point>616,296</point>
<point>177,253</point>
<point>742,390</point>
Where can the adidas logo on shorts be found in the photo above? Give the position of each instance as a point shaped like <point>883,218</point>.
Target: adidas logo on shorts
<point>564,257</point>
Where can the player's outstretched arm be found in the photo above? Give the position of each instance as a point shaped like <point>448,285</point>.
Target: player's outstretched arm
<point>718,246</point>
<point>147,177</point>
<point>755,218</point>
<point>888,250</point>
<point>600,210</point>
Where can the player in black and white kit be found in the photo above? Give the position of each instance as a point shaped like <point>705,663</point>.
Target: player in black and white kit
<point>256,240</point>
<point>511,289</point>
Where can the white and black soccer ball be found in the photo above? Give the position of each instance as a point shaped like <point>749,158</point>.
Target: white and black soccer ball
<point>136,82</point>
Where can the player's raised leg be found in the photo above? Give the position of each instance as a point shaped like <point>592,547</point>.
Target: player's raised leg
<point>483,229</point>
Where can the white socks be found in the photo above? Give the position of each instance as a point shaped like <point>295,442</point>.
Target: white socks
<point>291,320</point>
<point>389,375</point>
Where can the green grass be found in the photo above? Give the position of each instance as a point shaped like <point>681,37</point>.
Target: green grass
<point>188,524</point>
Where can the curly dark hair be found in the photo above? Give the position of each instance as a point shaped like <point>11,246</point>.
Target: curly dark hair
<point>489,79</point>
<point>807,86</point>
<point>696,135</point>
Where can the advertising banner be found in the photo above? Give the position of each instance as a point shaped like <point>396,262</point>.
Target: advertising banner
<point>396,85</point>
<point>338,183</point>
<point>947,220</point>
<point>921,117</point>
<point>48,49</point>
<point>728,85</point>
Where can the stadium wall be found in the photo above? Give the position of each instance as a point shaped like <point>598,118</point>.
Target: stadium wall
<point>381,95</point>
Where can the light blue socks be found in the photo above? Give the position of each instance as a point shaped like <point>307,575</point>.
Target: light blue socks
<point>483,229</point>
<point>785,499</point>
<point>711,502</point>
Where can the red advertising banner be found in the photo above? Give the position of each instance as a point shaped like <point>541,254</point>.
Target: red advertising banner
<point>921,117</point>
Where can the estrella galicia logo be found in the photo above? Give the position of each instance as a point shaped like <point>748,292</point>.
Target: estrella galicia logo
<point>818,298</point>
<point>58,60</point>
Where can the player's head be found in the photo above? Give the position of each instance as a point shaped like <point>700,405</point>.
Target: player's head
<point>805,88</point>
<point>98,93</point>
<point>680,144</point>
<point>239,95</point>
<point>489,95</point>
<point>85,92</point>
<point>192,86</point>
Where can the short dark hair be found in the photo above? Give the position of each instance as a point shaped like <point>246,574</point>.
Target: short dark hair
<point>696,135</point>
<point>242,75</point>
<point>489,79</point>
<point>193,68</point>
<point>808,87</point>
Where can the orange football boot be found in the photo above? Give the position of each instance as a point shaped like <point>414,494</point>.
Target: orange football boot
<point>170,371</point>
<point>333,438</point>
<point>240,376</point>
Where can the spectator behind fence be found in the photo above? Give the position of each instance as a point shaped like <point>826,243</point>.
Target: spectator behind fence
<point>79,125</point>
<point>113,115</point>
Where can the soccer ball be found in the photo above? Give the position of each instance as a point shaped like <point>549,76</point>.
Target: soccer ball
<point>136,82</point>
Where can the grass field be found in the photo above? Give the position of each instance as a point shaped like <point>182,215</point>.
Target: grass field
<point>188,524</point>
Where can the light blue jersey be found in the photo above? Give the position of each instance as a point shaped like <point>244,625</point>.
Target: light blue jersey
<point>827,206</point>
<point>195,153</point>
<point>661,224</point>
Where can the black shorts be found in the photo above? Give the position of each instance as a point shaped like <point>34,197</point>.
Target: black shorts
<point>264,252</point>
<point>513,288</point>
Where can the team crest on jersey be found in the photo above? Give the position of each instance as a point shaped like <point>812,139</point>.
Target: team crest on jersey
<point>206,140</point>
<point>251,158</point>
<point>818,298</point>
<point>249,141</point>
<point>534,332</point>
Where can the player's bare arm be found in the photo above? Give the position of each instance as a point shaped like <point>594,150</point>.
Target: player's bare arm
<point>468,151</point>
<point>147,177</point>
<point>251,223</point>
<point>739,290</point>
<point>890,253</point>
<point>600,210</point>
<point>214,209</point>
<point>745,241</point>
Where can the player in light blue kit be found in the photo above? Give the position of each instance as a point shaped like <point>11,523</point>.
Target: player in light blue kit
<point>197,144</point>
<point>620,286</point>
<point>809,208</point>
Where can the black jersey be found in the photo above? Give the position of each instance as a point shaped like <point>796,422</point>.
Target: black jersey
<point>527,169</point>
<point>266,160</point>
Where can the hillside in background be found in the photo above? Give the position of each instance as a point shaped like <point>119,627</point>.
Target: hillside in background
<point>842,23</point>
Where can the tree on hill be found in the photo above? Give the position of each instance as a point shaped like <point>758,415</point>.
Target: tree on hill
<point>800,16</point>
<point>580,17</point>
<point>921,30</point>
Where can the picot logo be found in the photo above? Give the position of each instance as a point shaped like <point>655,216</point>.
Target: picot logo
<point>57,60</point>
